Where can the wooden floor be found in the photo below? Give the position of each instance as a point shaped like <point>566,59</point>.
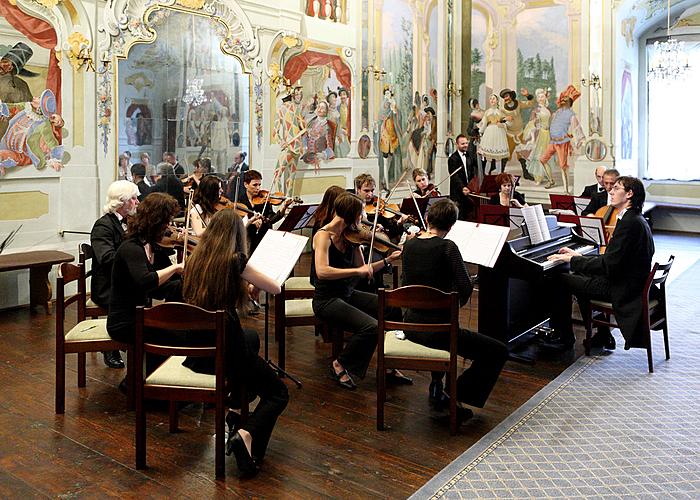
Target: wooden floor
<point>325,444</point>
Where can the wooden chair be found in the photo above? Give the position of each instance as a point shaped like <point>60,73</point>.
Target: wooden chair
<point>654,311</point>
<point>88,335</point>
<point>403,354</point>
<point>86,254</point>
<point>172,381</point>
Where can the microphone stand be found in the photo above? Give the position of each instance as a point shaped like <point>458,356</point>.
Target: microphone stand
<point>280,372</point>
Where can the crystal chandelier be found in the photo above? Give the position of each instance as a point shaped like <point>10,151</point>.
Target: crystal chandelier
<point>669,61</point>
<point>194,94</point>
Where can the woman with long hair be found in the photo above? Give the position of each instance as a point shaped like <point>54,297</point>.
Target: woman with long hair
<point>324,212</point>
<point>204,202</point>
<point>216,278</point>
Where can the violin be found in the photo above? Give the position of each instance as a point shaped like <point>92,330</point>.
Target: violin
<point>431,191</point>
<point>609,215</point>
<point>363,236</point>
<point>386,210</point>
<point>276,198</point>
<point>240,208</point>
<point>172,237</point>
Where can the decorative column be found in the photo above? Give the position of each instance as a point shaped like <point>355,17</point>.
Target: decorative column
<point>466,77</point>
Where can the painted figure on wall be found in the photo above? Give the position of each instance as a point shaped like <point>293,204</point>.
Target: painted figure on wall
<point>388,133</point>
<point>564,127</point>
<point>12,87</point>
<point>319,137</point>
<point>342,138</point>
<point>493,146</point>
<point>33,133</point>
<point>288,129</point>
<point>511,108</point>
<point>536,140</point>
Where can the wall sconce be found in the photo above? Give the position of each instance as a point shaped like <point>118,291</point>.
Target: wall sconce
<point>452,89</point>
<point>79,52</point>
<point>593,82</point>
<point>379,73</point>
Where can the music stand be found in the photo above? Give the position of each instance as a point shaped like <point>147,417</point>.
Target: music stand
<point>299,217</point>
<point>6,242</point>
<point>496,215</point>
<point>408,207</point>
<point>563,202</point>
<point>515,217</point>
<point>593,228</point>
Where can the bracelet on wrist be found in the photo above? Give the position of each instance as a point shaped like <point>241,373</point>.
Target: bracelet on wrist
<point>386,263</point>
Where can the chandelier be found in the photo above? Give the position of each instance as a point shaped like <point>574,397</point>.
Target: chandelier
<point>669,61</point>
<point>194,94</point>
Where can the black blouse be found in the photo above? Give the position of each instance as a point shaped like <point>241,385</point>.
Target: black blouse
<point>340,288</point>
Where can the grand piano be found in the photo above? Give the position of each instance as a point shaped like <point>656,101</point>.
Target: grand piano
<point>513,294</point>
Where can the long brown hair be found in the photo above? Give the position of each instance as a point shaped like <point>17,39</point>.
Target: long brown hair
<point>207,194</point>
<point>152,217</point>
<point>324,212</point>
<point>213,277</point>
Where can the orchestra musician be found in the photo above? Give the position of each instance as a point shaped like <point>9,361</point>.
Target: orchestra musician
<point>365,186</point>
<point>140,271</point>
<point>461,168</point>
<point>337,264</point>
<point>598,187</point>
<point>106,235</point>
<point>424,188</point>
<point>507,196</point>
<point>220,253</point>
<point>202,167</point>
<point>324,213</point>
<point>617,276</point>
<point>601,199</point>
<point>252,181</point>
<point>204,203</point>
<point>431,260</point>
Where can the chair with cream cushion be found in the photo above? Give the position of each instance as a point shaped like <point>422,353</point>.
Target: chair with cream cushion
<point>393,353</point>
<point>88,335</point>
<point>172,381</point>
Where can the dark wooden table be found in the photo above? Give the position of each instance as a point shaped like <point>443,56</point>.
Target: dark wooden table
<point>39,263</point>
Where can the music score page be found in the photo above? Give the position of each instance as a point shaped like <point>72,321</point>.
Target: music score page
<point>277,254</point>
<point>478,243</point>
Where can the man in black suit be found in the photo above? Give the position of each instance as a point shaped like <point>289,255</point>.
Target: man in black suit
<point>169,183</point>
<point>106,236</point>
<point>602,199</point>
<point>617,276</point>
<point>462,169</point>
<point>598,187</point>
<point>178,169</point>
<point>138,172</point>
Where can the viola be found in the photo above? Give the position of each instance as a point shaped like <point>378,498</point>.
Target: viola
<point>172,237</point>
<point>276,198</point>
<point>431,191</point>
<point>386,210</point>
<point>240,208</point>
<point>363,236</point>
<point>609,215</point>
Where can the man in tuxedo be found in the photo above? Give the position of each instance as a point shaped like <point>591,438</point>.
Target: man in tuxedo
<point>178,169</point>
<point>169,183</point>
<point>602,199</point>
<point>138,172</point>
<point>617,276</point>
<point>462,169</point>
<point>107,234</point>
<point>598,187</point>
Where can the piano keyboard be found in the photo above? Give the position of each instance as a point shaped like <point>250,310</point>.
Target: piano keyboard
<point>548,264</point>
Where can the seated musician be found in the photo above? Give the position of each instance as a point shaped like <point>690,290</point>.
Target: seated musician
<point>617,276</point>
<point>167,182</point>
<point>202,167</point>
<point>252,181</point>
<point>365,186</point>
<point>336,266</point>
<point>140,271</point>
<point>204,203</point>
<point>107,234</point>
<point>325,211</point>
<point>431,260</point>
<point>507,196</point>
<point>602,199</point>
<point>220,252</point>
<point>424,188</point>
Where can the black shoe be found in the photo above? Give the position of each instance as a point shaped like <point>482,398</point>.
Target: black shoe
<point>395,377</point>
<point>603,339</point>
<point>557,344</point>
<point>123,386</point>
<point>348,384</point>
<point>233,422</point>
<point>435,391</point>
<point>113,359</point>
<point>246,464</point>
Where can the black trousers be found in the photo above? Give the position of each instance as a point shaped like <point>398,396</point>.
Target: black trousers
<point>585,288</point>
<point>356,314</point>
<point>488,356</point>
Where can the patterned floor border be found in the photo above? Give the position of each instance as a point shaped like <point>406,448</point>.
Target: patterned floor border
<point>450,475</point>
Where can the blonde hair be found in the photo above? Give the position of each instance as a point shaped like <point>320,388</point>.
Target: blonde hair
<point>118,193</point>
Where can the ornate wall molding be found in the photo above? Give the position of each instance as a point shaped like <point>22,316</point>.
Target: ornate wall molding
<point>127,22</point>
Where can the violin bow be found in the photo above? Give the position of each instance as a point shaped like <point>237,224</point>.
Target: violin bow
<point>267,200</point>
<point>187,228</point>
<point>413,197</point>
<point>441,182</point>
<point>374,232</point>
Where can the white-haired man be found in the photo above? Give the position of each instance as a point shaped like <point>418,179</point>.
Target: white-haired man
<point>106,236</point>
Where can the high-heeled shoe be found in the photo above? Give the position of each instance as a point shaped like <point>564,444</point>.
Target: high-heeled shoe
<point>245,462</point>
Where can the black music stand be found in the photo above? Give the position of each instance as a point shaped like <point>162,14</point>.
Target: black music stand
<point>562,202</point>
<point>408,207</point>
<point>299,217</point>
<point>496,215</point>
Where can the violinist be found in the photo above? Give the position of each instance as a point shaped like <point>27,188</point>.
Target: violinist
<point>252,181</point>
<point>324,213</point>
<point>431,260</point>
<point>336,266</point>
<point>221,251</point>
<point>507,196</point>
<point>204,203</point>
<point>365,186</point>
<point>202,167</point>
<point>424,188</point>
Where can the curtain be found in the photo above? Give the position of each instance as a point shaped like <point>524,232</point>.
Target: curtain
<point>41,33</point>
<point>296,66</point>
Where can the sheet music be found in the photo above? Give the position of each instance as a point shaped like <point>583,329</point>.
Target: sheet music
<point>277,254</point>
<point>560,211</point>
<point>536,224</point>
<point>581,204</point>
<point>478,243</point>
<point>516,217</point>
<point>593,229</point>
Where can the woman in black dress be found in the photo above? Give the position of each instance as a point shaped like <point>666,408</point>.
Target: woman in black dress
<point>507,196</point>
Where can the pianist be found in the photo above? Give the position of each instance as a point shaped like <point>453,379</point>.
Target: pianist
<point>618,276</point>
